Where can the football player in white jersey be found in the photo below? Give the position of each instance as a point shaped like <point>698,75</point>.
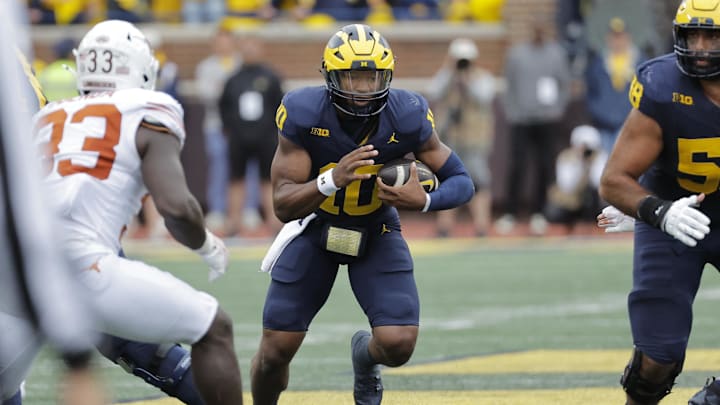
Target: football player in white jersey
<point>105,150</point>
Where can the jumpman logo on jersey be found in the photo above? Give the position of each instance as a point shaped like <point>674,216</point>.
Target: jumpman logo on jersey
<point>384,230</point>
<point>393,139</point>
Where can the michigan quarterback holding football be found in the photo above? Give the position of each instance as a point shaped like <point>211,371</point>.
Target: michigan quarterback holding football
<point>333,139</point>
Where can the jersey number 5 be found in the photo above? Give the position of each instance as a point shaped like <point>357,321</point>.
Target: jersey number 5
<point>699,164</point>
<point>103,147</point>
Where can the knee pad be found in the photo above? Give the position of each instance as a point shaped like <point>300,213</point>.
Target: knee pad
<point>164,366</point>
<point>642,390</point>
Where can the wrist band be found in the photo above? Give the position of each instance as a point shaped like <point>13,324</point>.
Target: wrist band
<point>428,199</point>
<point>325,183</point>
<point>652,210</point>
<point>207,245</point>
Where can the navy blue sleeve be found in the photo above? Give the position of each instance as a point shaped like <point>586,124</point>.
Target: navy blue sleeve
<point>285,118</point>
<point>644,94</point>
<point>456,186</point>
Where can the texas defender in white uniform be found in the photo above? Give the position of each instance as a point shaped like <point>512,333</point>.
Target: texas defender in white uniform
<point>97,179</point>
<point>104,151</point>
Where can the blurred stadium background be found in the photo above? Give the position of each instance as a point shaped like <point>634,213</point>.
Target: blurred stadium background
<point>504,320</point>
<point>295,50</point>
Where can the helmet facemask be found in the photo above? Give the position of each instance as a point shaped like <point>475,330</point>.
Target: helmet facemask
<point>360,93</point>
<point>703,64</point>
<point>696,35</point>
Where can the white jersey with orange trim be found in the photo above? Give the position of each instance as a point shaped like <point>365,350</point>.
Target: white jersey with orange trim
<point>96,177</point>
<point>94,167</point>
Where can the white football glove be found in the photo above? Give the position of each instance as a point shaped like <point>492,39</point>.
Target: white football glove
<point>685,223</point>
<point>214,254</point>
<point>614,220</point>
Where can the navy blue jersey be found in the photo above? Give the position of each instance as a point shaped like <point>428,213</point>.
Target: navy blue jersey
<point>690,160</point>
<point>308,118</point>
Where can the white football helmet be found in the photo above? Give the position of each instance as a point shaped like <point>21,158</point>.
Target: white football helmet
<point>115,55</point>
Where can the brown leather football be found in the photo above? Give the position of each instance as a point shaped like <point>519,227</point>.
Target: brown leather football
<point>397,172</point>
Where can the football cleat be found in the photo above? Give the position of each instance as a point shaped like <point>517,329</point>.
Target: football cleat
<point>368,389</point>
<point>708,395</point>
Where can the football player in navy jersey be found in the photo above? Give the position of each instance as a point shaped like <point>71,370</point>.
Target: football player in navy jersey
<point>665,171</point>
<point>332,141</point>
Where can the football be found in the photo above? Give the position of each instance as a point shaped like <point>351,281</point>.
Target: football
<point>397,172</point>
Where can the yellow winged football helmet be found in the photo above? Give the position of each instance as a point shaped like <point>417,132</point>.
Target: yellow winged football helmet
<point>696,15</point>
<point>358,66</point>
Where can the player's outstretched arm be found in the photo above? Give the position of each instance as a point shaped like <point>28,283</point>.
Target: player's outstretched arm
<point>164,177</point>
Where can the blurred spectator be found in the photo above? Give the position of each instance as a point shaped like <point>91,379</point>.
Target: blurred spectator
<point>246,13</point>
<point>134,11</point>
<point>168,11</point>
<point>201,11</point>
<point>320,12</point>
<point>168,78</point>
<point>663,14</point>
<point>40,12</point>
<point>485,11</point>
<point>607,79</point>
<point>210,76</point>
<point>574,196</point>
<point>57,12</point>
<point>247,109</point>
<point>537,94</point>
<point>414,9</point>
<point>462,95</point>
<point>57,79</point>
<point>572,31</point>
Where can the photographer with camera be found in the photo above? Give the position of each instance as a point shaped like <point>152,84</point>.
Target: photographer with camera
<point>462,94</point>
<point>574,195</point>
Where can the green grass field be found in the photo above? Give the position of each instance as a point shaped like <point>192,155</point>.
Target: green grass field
<point>503,321</point>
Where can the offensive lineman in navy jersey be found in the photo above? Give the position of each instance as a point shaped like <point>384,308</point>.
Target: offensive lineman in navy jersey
<point>665,164</point>
<point>333,140</point>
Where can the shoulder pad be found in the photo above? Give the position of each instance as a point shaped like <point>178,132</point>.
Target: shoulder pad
<point>301,108</point>
<point>410,110</point>
<point>157,109</point>
<point>655,75</point>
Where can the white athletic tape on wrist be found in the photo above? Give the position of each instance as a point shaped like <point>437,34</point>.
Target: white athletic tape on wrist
<point>208,245</point>
<point>325,183</point>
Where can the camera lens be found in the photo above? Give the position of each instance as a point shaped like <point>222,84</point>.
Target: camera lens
<point>463,63</point>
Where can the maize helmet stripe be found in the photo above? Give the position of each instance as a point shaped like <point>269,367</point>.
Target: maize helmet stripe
<point>356,46</point>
